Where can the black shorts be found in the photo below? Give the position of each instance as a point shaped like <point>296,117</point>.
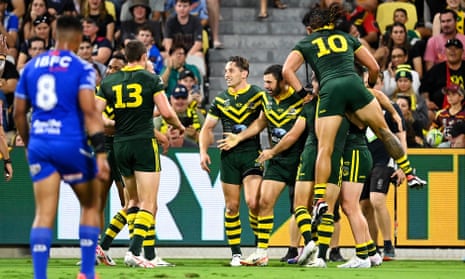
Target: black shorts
<point>378,181</point>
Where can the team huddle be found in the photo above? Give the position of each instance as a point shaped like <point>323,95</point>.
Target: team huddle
<point>319,146</point>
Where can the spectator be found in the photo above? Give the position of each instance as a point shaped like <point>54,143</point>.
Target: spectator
<point>144,34</point>
<point>364,19</point>
<point>85,52</point>
<point>17,7</point>
<point>157,8</point>
<point>443,74</point>
<point>198,9</point>
<point>184,28</point>
<point>35,46</point>
<point>96,10</point>
<point>35,9</point>
<point>187,78</point>
<point>174,65</point>
<point>213,7</point>
<point>176,139</point>
<point>435,49</point>
<point>397,38</point>
<point>455,112</point>
<point>457,134</point>
<point>399,57</point>
<point>264,8</point>
<point>413,127</point>
<point>140,11</point>
<point>61,7</point>
<point>190,118</point>
<point>101,46</point>
<point>418,105</point>
<point>9,27</point>
<point>453,5</point>
<point>400,15</point>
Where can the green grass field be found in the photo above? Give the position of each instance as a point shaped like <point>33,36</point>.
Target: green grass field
<point>217,268</point>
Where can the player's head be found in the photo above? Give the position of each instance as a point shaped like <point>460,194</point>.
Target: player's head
<point>68,32</point>
<point>273,80</point>
<point>135,50</point>
<point>116,63</point>
<point>236,71</point>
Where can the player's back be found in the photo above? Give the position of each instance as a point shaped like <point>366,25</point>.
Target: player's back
<point>51,82</point>
<point>330,53</point>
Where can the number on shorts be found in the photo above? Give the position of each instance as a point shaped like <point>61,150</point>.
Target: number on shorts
<point>334,43</point>
<point>46,97</point>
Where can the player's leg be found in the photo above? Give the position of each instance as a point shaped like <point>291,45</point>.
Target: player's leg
<point>303,194</point>
<point>294,233</point>
<point>46,192</point>
<point>335,252</point>
<point>269,193</point>
<point>232,221</point>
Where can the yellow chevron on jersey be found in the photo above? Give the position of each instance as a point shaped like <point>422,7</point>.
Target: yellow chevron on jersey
<point>282,110</point>
<point>236,109</point>
<point>109,112</point>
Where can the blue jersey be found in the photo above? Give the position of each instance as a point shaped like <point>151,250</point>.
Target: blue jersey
<point>51,83</point>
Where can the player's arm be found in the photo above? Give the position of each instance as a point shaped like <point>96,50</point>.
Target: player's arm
<point>231,140</point>
<point>167,111</point>
<point>21,108</point>
<point>364,56</point>
<point>293,62</point>
<point>8,168</point>
<point>205,140</point>
<point>94,125</point>
<point>286,142</point>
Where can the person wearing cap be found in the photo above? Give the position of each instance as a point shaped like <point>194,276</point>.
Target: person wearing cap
<point>457,134</point>
<point>187,78</point>
<point>435,51</point>
<point>190,118</point>
<point>140,12</point>
<point>175,64</point>
<point>440,75</point>
<point>455,112</point>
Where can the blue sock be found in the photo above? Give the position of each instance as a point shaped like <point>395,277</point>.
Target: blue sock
<point>88,239</point>
<point>40,240</point>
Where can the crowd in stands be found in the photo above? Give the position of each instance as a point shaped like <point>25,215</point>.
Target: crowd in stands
<point>419,47</point>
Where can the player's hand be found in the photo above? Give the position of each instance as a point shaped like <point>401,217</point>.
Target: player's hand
<point>265,155</point>
<point>205,162</point>
<point>8,170</point>
<point>3,45</point>
<point>398,177</point>
<point>164,142</point>
<point>103,168</point>
<point>229,141</point>
<point>190,131</point>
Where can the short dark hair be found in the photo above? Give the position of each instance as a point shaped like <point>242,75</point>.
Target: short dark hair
<point>67,23</point>
<point>35,39</point>
<point>134,50</point>
<point>276,70</point>
<point>119,56</point>
<point>447,11</point>
<point>177,46</point>
<point>240,62</point>
<point>402,10</point>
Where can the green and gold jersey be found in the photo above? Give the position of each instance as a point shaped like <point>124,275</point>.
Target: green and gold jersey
<point>308,114</point>
<point>237,110</point>
<point>281,113</point>
<point>356,138</point>
<point>329,52</point>
<point>130,92</point>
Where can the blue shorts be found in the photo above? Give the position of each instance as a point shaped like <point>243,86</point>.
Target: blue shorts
<point>72,159</point>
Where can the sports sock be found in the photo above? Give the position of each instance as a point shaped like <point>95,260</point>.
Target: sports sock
<point>404,163</point>
<point>304,222</point>
<point>361,250</point>
<point>88,237</point>
<point>40,241</point>
<point>265,226</point>
<point>388,245</point>
<point>117,223</point>
<point>141,226</point>
<point>319,191</point>
<point>149,243</point>
<point>371,248</point>
<point>132,212</point>
<point>253,220</point>
<point>325,232</point>
<point>232,225</point>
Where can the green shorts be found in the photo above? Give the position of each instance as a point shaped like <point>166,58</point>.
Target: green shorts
<point>342,94</point>
<point>137,155</point>
<point>239,164</point>
<point>115,174</point>
<point>282,169</point>
<point>357,164</point>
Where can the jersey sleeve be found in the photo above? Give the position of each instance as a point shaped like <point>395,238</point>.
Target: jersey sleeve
<point>87,78</point>
<point>213,110</point>
<point>158,86</point>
